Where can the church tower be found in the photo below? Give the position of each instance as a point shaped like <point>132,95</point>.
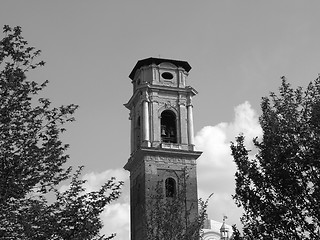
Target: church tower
<point>162,137</point>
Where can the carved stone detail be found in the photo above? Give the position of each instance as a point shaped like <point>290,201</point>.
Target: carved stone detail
<point>168,83</point>
<point>145,96</point>
<point>182,102</point>
<point>154,99</point>
<point>168,103</point>
<point>166,160</point>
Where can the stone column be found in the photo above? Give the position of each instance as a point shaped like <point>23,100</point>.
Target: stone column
<point>183,121</point>
<point>155,135</point>
<point>145,119</point>
<point>190,121</point>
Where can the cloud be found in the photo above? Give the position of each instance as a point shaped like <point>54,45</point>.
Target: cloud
<point>96,180</point>
<point>215,173</point>
<point>116,216</point>
<point>216,167</point>
<point>116,220</point>
<point>246,121</point>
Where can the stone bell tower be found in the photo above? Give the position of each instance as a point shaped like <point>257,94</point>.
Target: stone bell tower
<point>162,137</point>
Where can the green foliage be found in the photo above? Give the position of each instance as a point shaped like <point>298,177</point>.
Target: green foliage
<point>279,188</point>
<point>32,158</point>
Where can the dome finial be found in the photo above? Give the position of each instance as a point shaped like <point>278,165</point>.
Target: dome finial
<point>224,231</point>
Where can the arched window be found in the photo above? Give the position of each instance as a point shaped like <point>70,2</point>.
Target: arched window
<point>171,188</point>
<point>168,127</point>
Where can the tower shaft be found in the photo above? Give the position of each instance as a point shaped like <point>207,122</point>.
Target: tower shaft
<point>162,142</point>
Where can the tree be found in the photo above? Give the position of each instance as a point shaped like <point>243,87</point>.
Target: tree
<point>170,218</point>
<point>32,158</point>
<point>279,187</point>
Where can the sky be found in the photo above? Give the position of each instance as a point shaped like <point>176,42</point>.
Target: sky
<point>238,50</point>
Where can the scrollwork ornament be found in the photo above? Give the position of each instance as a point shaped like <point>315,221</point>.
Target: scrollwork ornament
<point>167,105</point>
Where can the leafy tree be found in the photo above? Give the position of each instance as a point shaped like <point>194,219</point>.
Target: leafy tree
<point>32,158</point>
<point>171,219</point>
<point>279,187</point>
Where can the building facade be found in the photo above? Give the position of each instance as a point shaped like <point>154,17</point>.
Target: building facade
<point>162,138</point>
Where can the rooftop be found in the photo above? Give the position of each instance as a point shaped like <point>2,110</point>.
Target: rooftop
<point>148,61</point>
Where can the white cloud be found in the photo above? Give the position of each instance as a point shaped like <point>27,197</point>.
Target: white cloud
<point>247,122</point>
<point>116,220</point>
<point>96,180</point>
<point>116,216</point>
<point>216,167</point>
<point>215,173</point>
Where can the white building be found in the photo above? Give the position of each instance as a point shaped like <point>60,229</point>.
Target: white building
<point>214,230</point>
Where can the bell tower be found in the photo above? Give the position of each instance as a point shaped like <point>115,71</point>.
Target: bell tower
<point>162,137</point>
